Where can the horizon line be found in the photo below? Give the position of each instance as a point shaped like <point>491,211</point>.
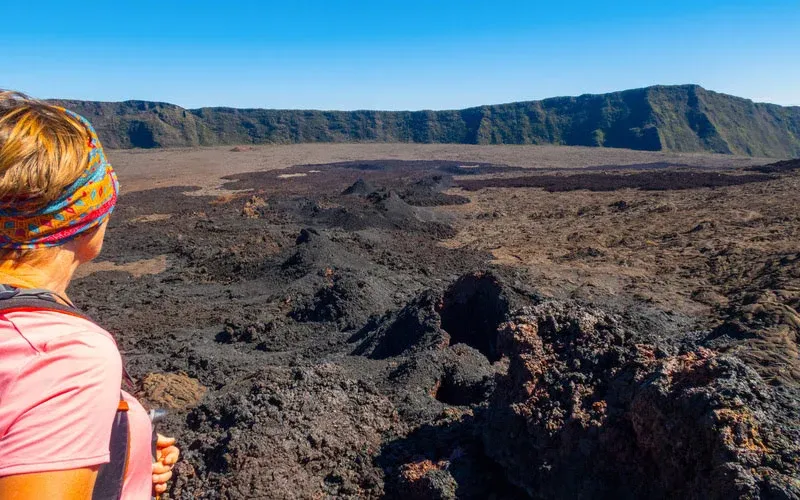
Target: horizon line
<point>355,110</point>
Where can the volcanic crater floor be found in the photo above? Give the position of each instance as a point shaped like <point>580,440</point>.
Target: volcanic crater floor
<point>462,329</point>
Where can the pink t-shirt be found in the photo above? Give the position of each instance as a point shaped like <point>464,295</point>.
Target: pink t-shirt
<point>59,390</point>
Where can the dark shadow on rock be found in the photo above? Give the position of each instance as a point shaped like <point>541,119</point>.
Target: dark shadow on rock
<point>472,309</point>
<point>444,460</point>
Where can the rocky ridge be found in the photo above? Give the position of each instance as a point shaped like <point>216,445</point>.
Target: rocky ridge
<point>684,118</point>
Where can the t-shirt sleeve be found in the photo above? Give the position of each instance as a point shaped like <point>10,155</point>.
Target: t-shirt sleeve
<point>66,397</point>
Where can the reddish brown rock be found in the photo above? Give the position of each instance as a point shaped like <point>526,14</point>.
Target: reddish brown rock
<point>252,206</point>
<point>587,411</point>
<point>427,480</point>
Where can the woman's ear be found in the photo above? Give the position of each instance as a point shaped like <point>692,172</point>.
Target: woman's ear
<point>87,246</point>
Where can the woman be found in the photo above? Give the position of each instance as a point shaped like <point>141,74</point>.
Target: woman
<point>59,372</point>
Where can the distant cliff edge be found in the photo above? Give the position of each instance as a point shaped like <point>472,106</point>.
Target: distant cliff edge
<point>685,118</point>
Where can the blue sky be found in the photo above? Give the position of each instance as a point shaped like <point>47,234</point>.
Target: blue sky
<point>433,54</point>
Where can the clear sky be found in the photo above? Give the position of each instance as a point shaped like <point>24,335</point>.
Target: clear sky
<point>386,54</point>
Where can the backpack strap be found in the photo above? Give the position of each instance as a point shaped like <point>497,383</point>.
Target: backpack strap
<point>17,299</point>
<point>111,476</point>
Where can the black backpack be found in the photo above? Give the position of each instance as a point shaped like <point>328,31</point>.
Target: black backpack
<point>110,477</point>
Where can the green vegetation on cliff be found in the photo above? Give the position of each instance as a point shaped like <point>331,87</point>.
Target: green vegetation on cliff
<point>683,118</point>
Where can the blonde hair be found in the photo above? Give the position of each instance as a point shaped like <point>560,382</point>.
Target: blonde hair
<point>42,149</point>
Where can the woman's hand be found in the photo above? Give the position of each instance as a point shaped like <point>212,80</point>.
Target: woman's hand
<point>167,455</point>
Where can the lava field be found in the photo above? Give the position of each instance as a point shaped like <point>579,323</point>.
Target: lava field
<point>314,335</point>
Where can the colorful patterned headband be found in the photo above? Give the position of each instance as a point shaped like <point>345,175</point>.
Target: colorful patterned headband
<point>84,205</point>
